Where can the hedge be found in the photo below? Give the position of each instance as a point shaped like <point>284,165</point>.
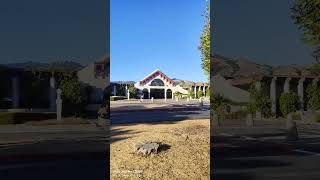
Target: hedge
<point>116,98</point>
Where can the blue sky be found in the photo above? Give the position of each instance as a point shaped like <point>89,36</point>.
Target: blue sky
<point>261,31</point>
<point>45,31</point>
<point>150,34</point>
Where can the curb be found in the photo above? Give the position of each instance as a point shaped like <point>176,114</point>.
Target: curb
<point>56,156</point>
<point>155,109</point>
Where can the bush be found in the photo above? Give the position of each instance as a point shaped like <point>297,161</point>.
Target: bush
<point>317,117</point>
<point>259,101</point>
<point>116,98</point>
<point>71,95</point>
<point>190,93</point>
<point>199,94</point>
<point>208,92</point>
<point>237,115</point>
<point>22,117</point>
<point>177,94</point>
<point>313,96</point>
<point>296,116</point>
<point>133,91</point>
<point>289,102</point>
<point>218,104</point>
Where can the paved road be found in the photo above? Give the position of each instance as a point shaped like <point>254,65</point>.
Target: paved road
<point>157,115</point>
<point>70,155</point>
<point>262,152</point>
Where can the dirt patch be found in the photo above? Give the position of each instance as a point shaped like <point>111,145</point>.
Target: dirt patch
<point>185,156</point>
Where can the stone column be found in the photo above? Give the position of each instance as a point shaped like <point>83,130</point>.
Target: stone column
<point>165,94</point>
<point>204,91</point>
<point>128,94</point>
<point>195,91</point>
<point>59,104</point>
<point>258,85</point>
<point>286,87</point>
<point>52,93</point>
<point>273,96</point>
<point>301,92</point>
<point>258,113</point>
<point>115,90</point>
<point>15,92</point>
<point>149,96</point>
<point>126,90</point>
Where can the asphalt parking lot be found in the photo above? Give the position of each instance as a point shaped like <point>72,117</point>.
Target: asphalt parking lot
<point>261,152</point>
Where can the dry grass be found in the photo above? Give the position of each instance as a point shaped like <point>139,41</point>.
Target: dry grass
<point>187,155</point>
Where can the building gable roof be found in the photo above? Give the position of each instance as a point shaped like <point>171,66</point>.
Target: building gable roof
<point>154,74</point>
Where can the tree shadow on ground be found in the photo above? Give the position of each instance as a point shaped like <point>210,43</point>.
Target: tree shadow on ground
<point>159,117</point>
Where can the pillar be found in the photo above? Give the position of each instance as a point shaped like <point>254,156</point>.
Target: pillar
<point>52,93</point>
<point>258,87</point>
<point>59,105</point>
<point>165,94</point>
<point>149,96</point>
<point>273,97</point>
<point>115,90</point>
<point>204,91</point>
<point>126,90</point>
<point>286,87</point>
<point>15,92</point>
<point>195,91</point>
<point>301,92</point>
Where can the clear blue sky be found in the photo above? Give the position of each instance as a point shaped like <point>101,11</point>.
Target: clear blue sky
<point>45,31</point>
<point>150,34</point>
<point>261,31</point>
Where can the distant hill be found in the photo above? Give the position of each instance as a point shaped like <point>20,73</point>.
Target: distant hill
<point>242,71</point>
<point>58,65</point>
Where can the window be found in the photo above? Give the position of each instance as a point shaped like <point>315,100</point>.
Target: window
<point>157,82</point>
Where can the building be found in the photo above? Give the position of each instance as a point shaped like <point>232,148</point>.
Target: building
<point>18,84</point>
<point>157,85</point>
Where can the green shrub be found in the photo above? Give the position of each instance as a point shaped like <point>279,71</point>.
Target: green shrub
<point>289,102</point>
<point>177,94</point>
<point>208,92</point>
<point>296,116</point>
<point>313,96</point>
<point>116,98</point>
<point>237,115</point>
<point>133,91</point>
<point>218,104</point>
<point>71,95</point>
<point>199,94</point>
<point>259,101</point>
<point>190,93</point>
<point>317,116</point>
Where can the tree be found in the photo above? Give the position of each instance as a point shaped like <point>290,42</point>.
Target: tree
<point>177,94</point>
<point>218,105</point>
<point>71,95</point>
<point>204,46</point>
<point>305,14</point>
<point>133,91</point>
<point>190,93</point>
<point>208,92</point>
<point>313,96</point>
<point>199,94</point>
<point>289,102</point>
<point>259,101</point>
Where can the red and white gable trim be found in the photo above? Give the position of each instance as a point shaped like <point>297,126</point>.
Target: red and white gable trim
<point>153,75</point>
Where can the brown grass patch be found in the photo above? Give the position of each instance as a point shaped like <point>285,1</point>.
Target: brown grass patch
<point>185,153</point>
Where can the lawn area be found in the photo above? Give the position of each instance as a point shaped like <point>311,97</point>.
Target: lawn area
<point>188,155</point>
